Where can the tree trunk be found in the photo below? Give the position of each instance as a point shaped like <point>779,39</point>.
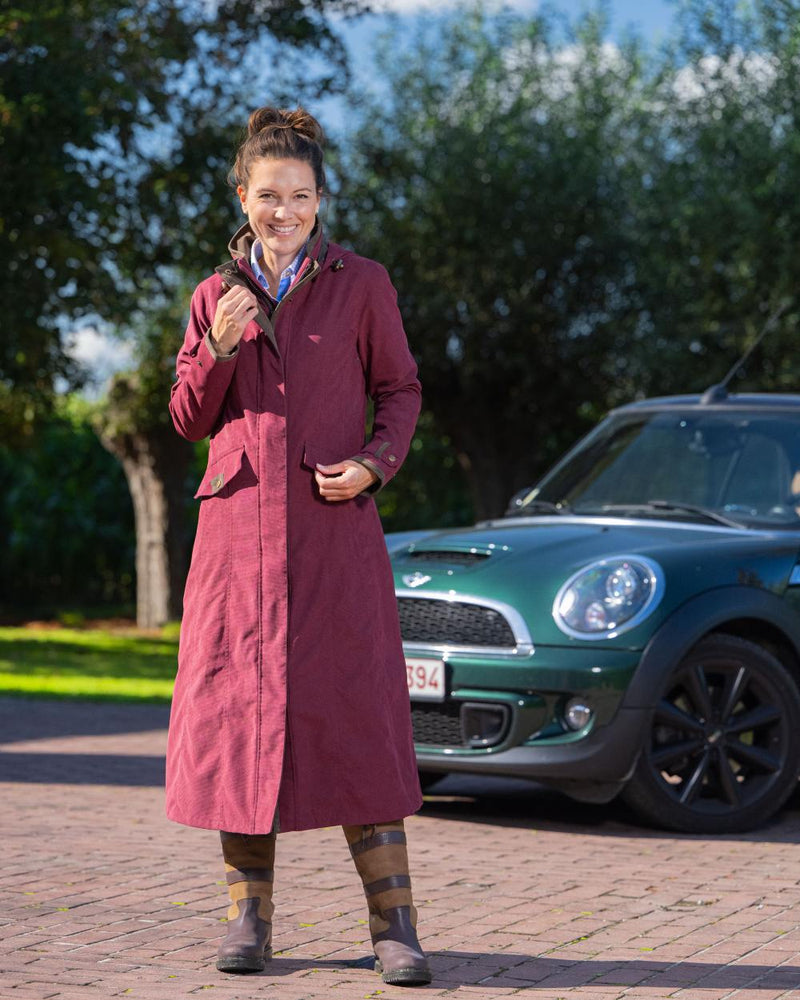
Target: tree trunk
<point>156,463</point>
<point>491,475</point>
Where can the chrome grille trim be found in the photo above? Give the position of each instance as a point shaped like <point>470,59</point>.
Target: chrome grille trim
<point>522,637</point>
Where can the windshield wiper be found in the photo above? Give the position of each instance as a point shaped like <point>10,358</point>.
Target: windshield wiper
<point>668,505</point>
<point>692,508</point>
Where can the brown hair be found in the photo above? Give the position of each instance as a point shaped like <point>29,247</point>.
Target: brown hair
<point>280,134</point>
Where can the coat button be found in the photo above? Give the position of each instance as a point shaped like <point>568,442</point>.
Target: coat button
<point>216,483</point>
<point>391,458</point>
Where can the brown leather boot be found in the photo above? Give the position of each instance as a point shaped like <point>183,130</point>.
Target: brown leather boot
<point>249,863</point>
<point>381,858</point>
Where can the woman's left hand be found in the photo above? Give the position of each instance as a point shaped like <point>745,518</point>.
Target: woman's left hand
<point>343,480</point>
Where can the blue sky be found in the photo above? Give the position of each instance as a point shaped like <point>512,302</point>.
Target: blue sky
<point>650,18</point>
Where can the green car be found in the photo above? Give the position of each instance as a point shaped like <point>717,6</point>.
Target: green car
<point>632,625</point>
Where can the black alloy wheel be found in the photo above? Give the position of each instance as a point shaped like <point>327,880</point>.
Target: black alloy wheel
<point>723,749</point>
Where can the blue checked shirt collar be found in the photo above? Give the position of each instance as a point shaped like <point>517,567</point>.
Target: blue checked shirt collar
<point>287,275</point>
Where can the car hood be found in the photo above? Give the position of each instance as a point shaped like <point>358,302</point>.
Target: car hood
<point>524,561</point>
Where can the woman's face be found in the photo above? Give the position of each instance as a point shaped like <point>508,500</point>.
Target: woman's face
<point>281,202</point>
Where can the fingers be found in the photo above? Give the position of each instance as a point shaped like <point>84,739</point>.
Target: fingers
<point>342,480</point>
<point>239,305</point>
<point>335,469</point>
<point>235,309</point>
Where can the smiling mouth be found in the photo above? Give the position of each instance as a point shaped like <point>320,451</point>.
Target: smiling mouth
<point>283,230</point>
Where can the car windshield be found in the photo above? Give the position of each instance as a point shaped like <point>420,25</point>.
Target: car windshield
<point>739,468</point>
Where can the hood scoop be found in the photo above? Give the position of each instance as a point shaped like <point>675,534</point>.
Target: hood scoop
<point>464,557</point>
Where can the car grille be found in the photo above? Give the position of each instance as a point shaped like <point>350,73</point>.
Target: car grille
<point>437,725</point>
<point>460,724</point>
<point>453,623</point>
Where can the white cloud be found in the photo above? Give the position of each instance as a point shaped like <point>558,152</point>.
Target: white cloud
<point>101,354</point>
<point>712,74</point>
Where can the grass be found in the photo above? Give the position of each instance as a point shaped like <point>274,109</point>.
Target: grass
<point>102,664</point>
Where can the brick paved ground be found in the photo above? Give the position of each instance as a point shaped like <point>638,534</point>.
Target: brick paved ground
<point>519,891</point>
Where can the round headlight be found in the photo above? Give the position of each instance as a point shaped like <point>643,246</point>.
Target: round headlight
<point>608,597</point>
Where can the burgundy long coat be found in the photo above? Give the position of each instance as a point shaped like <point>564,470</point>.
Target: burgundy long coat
<point>291,707</point>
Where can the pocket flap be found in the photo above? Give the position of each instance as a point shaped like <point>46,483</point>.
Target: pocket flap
<point>311,456</point>
<point>220,472</point>
<point>314,455</point>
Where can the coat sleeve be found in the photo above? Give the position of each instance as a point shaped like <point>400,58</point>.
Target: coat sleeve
<point>203,374</point>
<point>391,380</point>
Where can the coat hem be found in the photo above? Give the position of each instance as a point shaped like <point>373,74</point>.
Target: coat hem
<point>361,818</point>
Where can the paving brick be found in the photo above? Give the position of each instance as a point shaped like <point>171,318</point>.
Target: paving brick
<point>513,901</point>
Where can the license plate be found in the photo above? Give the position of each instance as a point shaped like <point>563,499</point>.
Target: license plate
<point>425,679</point>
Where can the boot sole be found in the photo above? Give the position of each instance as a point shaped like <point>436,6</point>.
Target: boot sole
<point>404,977</point>
<point>241,963</point>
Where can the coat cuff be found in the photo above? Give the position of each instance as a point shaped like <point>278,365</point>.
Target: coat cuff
<point>382,458</point>
<point>215,352</point>
<point>378,484</point>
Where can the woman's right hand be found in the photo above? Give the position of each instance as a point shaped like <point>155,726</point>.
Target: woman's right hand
<point>235,309</point>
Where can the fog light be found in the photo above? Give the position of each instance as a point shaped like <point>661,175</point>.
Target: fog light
<point>578,713</point>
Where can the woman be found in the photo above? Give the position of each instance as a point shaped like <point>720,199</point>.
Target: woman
<point>291,707</point>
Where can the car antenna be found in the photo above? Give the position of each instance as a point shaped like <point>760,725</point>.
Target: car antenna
<point>717,392</point>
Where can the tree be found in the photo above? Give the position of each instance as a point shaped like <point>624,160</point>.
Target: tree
<point>572,224</point>
<point>66,523</point>
<point>716,220</point>
<point>134,425</point>
<point>112,200</point>
<point>491,184</point>
<point>116,123</point>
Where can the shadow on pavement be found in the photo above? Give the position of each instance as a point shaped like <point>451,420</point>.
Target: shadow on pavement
<point>133,770</point>
<point>34,718</point>
<point>532,972</point>
<point>514,802</point>
<point>466,798</point>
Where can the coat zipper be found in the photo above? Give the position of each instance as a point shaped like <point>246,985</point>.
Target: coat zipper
<point>232,274</point>
<point>312,272</point>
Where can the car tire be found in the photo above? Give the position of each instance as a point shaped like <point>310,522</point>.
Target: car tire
<point>723,747</point>
<point>428,779</point>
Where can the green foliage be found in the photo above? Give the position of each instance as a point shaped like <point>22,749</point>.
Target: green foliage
<point>95,663</point>
<point>572,224</point>
<point>492,185</point>
<point>67,523</point>
<point>116,125</point>
<point>431,490</point>
<point>716,219</point>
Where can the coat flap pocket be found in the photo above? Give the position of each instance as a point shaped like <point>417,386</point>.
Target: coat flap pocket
<point>326,454</point>
<point>220,472</point>
<point>312,455</point>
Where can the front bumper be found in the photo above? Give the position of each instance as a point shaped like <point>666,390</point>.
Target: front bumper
<point>528,696</point>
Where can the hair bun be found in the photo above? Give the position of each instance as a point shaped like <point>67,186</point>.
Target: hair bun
<point>299,121</point>
<point>280,134</point>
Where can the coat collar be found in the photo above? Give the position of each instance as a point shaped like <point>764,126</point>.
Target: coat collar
<point>241,243</point>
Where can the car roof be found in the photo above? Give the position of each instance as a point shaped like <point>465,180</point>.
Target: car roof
<point>736,401</point>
